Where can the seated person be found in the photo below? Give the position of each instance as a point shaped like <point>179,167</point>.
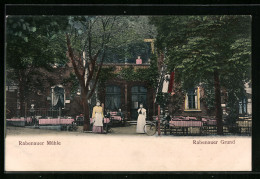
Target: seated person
<point>107,113</point>
<point>119,113</point>
<point>167,117</point>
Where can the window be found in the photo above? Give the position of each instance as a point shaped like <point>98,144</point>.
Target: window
<point>58,97</point>
<point>11,88</point>
<point>243,106</point>
<point>113,98</point>
<point>192,100</point>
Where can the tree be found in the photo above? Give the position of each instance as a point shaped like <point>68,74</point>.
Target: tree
<point>94,40</point>
<point>35,42</point>
<point>91,36</point>
<point>32,42</point>
<point>207,48</point>
<point>132,44</point>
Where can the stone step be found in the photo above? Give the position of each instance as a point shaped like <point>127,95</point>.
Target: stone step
<point>51,127</point>
<point>16,123</point>
<point>132,122</point>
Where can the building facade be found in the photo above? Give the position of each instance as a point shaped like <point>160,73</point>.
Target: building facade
<point>58,98</point>
<point>127,95</point>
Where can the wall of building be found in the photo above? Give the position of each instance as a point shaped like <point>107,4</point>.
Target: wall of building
<point>202,111</point>
<point>125,87</point>
<point>248,90</point>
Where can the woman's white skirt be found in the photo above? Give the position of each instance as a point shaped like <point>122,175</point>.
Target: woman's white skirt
<point>140,124</point>
<point>98,124</point>
<point>98,119</point>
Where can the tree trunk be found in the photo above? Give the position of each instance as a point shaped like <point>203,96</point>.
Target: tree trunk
<point>233,106</point>
<point>21,95</point>
<point>86,126</point>
<point>218,103</point>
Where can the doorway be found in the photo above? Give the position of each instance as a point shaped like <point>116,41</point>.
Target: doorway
<point>138,96</point>
<point>113,98</point>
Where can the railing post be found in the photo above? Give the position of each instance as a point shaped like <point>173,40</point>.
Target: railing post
<point>25,110</point>
<point>159,127</point>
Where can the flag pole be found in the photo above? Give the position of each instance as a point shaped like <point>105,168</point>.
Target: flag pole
<point>159,127</point>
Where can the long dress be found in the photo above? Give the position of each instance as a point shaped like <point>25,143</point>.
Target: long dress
<point>97,117</point>
<point>141,120</point>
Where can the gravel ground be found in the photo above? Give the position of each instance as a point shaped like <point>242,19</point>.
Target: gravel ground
<point>12,130</point>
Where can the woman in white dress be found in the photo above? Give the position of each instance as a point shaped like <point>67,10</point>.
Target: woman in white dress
<point>141,120</point>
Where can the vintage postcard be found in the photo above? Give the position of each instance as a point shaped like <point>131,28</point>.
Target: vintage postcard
<point>128,93</point>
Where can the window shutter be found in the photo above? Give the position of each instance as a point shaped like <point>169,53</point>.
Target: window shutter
<point>186,102</point>
<point>196,99</point>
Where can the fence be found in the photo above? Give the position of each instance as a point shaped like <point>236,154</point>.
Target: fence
<point>180,125</point>
<point>240,128</point>
<point>43,112</point>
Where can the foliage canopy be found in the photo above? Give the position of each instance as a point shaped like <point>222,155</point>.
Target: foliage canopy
<point>198,46</point>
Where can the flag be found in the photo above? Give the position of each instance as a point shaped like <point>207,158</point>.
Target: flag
<point>165,84</point>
